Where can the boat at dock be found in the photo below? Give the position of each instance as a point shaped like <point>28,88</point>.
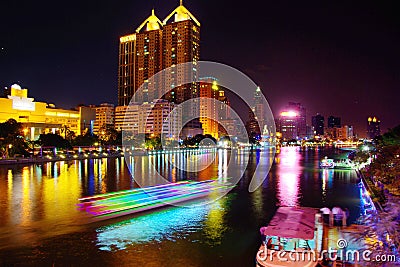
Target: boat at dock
<point>298,237</point>
<point>292,238</point>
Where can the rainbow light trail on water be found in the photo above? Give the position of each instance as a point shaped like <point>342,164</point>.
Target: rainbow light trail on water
<point>111,205</point>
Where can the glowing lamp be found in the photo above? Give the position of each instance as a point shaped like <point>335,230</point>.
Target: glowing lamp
<point>288,114</point>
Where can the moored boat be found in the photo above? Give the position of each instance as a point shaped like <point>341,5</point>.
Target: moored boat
<point>327,163</point>
<point>292,238</point>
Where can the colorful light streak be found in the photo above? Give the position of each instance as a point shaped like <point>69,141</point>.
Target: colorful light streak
<point>126,202</point>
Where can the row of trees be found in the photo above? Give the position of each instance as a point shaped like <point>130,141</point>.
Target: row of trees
<point>13,143</point>
<point>383,177</point>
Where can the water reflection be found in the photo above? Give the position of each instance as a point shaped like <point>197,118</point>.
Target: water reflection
<point>166,224</point>
<point>39,201</point>
<point>289,170</point>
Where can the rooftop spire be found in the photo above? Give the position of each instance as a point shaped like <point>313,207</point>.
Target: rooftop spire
<point>151,23</point>
<point>180,14</point>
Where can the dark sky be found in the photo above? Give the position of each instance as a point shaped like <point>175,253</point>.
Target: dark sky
<point>336,57</point>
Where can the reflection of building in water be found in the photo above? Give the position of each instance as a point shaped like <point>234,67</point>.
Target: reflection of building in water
<point>289,170</point>
<point>41,117</point>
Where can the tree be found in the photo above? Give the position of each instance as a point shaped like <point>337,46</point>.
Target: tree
<point>85,140</point>
<point>108,135</point>
<point>53,140</point>
<point>11,138</point>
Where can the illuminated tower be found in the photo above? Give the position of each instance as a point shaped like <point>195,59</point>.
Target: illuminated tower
<point>300,118</point>
<point>318,122</point>
<point>140,57</point>
<point>156,46</point>
<point>209,110</point>
<point>288,124</point>
<point>181,44</point>
<point>373,127</point>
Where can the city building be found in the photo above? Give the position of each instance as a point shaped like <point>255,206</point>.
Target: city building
<point>127,118</point>
<point>334,122</point>
<point>156,118</point>
<point>156,46</point>
<point>224,112</point>
<point>373,127</point>
<point>340,133</point>
<point>258,107</point>
<point>104,116</point>
<point>318,123</point>
<point>39,117</point>
<point>300,118</point>
<point>209,108</point>
<point>288,125</point>
<point>291,123</point>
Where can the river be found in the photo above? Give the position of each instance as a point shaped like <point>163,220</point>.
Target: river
<point>41,225</point>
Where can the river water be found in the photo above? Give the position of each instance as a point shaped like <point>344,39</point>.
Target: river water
<point>40,223</point>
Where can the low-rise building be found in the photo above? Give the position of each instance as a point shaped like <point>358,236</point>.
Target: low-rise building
<point>37,117</point>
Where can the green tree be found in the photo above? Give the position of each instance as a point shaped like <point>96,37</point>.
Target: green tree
<point>85,140</point>
<point>108,135</point>
<point>11,139</point>
<point>53,140</point>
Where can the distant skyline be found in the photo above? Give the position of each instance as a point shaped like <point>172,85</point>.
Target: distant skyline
<point>337,59</point>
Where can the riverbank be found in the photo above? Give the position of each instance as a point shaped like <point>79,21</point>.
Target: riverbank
<point>39,160</point>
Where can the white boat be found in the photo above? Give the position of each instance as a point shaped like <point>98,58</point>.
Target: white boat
<point>292,238</point>
<point>327,163</point>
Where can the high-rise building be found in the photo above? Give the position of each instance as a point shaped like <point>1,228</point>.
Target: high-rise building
<point>373,127</point>
<point>181,44</point>
<point>288,125</point>
<point>209,107</point>
<point>292,122</point>
<point>334,122</point>
<point>300,117</point>
<point>318,123</point>
<point>155,46</point>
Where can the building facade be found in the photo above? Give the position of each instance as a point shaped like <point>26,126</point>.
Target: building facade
<point>318,124</point>
<point>156,46</point>
<point>334,122</point>
<point>38,117</point>
<point>209,107</point>
<point>373,127</point>
<point>104,116</point>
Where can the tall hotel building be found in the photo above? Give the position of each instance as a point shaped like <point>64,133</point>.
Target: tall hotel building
<point>156,46</point>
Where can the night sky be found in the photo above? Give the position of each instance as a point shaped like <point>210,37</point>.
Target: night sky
<point>335,57</point>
